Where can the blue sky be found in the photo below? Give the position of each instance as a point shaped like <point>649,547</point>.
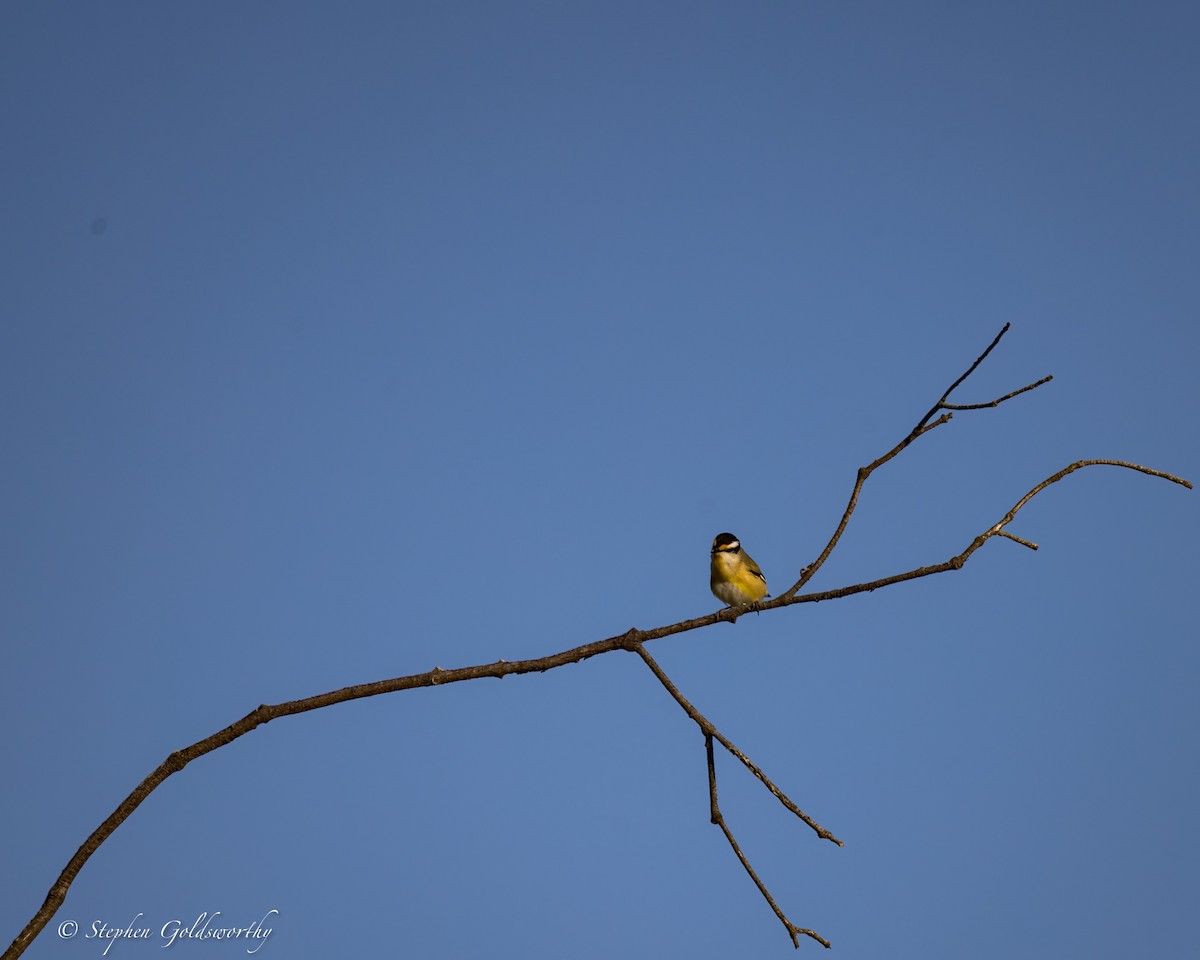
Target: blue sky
<point>340,342</point>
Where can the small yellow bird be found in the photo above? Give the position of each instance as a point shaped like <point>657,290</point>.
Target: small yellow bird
<point>734,577</point>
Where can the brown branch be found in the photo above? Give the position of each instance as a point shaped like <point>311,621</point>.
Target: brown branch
<point>631,640</point>
<point>924,425</point>
<point>264,714</point>
<point>717,818</point>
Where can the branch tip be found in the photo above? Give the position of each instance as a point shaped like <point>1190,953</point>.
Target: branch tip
<point>1012,536</point>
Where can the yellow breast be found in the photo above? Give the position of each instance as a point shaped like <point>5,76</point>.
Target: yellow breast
<point>732,580</point>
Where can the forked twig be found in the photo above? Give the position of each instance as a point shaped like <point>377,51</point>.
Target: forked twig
<point>709,730</point>
<point>923,426</point>
<point>717,818</point>
<point>959,560</point>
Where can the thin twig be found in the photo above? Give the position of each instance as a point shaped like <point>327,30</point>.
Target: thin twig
<point>998,400</point>
<point>1012,536</point>
<point>718,818</point>
<point>1079,465</point>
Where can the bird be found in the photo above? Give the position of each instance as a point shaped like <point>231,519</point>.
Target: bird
<point>734,576</point>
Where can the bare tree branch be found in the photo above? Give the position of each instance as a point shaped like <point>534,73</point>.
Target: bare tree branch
<point>632,640</point>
